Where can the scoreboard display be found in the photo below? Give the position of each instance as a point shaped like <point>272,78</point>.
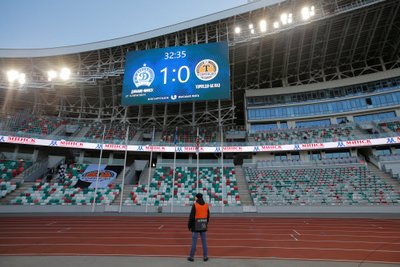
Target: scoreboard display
<point>177,74</point>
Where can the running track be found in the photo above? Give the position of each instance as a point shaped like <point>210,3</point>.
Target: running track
<point>354,240</point>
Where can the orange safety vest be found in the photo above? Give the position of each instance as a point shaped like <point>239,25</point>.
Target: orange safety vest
<point>201,211</point>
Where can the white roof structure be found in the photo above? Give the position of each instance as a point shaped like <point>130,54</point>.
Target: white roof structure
<point>65,50</point>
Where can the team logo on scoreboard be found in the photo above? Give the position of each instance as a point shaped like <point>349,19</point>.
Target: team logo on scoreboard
<point>143,76</point>
<point>206,70</point>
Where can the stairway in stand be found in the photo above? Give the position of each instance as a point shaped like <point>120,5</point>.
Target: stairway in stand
<point>243,188</point>
<point>385,176</point>
<point>25,186</point>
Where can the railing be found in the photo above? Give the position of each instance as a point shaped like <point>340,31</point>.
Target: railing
<point>293,164</point>
<point>35,171</point>
<point>180,162</point>
<point>192,144</point>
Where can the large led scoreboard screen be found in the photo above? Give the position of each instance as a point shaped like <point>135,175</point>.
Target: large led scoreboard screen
<point>177,74</point>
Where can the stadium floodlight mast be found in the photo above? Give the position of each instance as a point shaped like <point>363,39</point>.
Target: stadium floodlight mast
<point>51,74</point>
<point>286,18</point>
<point>237,30</point>
<point>307,12</point>
<point>263,25</point>
<point>21,78</point>
<point>251,28</point>
<point>65,74</point>
<point>13,75</point>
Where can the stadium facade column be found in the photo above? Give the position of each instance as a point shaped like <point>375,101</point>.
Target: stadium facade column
<point>98,169</point>
<point>124,169</point>
<point>149,174</point>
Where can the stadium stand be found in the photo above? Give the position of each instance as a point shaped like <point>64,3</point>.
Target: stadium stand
<point>11,168</point>
<point>329,78</point>
<point>189,135</point>
<point>324,134</point>
<point>37,125</point>
<point>391,164</point>
<point>319,186</point>
<point>394,126</point>
<point>64,192</point>
<point>8,187</point>
<point>115,131</point>
<point>210,184</point>
<point>297,162</point>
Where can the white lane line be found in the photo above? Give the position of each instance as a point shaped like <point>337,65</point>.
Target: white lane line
<point>213,233</point>
<point>213,239</point>
<point>215,226</point>
<point>294,237</point>
<point>186,245</point>
<point>159,228</point>
<point>296,232</point>
<point>219,229</point>
<point>64,229</point>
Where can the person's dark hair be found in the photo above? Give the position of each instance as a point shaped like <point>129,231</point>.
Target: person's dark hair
<point>199,195</point>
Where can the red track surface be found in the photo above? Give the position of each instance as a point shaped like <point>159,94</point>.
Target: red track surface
<point>360,240</point>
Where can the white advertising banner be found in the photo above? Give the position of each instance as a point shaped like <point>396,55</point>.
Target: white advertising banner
<point>203,149</point>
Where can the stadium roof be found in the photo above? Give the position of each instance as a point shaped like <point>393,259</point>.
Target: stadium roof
<point>23,53</point>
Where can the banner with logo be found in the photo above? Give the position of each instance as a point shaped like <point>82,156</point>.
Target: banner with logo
<point>107,175</point>
<point>202,149</point>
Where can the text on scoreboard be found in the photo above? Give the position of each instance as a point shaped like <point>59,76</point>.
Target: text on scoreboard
<point>177,74</point>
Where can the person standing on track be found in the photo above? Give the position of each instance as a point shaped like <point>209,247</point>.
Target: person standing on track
<point>198,222</point>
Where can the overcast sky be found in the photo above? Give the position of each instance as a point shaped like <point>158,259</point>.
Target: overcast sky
<point>54,23</point>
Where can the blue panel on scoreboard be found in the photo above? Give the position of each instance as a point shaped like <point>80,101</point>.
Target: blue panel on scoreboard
<point>177,74</point>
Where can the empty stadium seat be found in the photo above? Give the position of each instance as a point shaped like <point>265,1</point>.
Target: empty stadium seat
<point>65,193</point>
<point>319,186</point>
<point>210,185</point>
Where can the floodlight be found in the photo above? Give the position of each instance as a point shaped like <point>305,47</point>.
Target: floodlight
<point>290,18</point>
<point>305,13</point>
<point>12,75</point>
<point>263,25</point>
<point>284,18</point>
<point>237,29</point>
<point>251,26</point>
<point>276,25</point>
<point>312,11</point>
<point>252,31</point>
<point>51,74</point>
<point>21,78</point>
<point>65,74</point>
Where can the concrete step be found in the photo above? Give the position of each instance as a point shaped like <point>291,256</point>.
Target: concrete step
<point>385,176</point>
<point>25,186</point>
<point>82,132</point>
<point>243,188</point>
<point>127,190</point>
<point>143,179</point>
